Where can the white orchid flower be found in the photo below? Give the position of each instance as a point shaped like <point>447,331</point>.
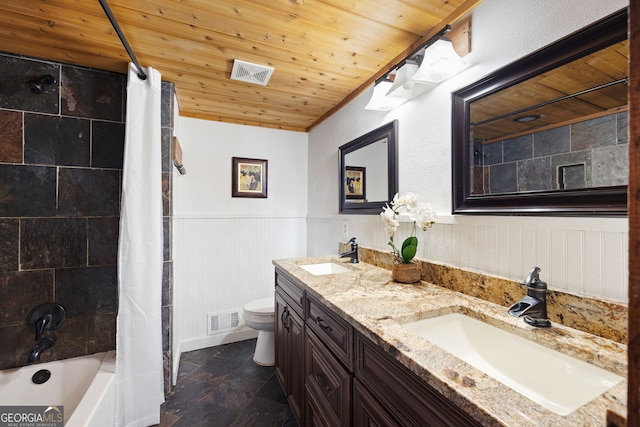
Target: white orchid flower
<point>407,199</point>
<point>420,213</point>
<point>424,216</point>
<point>390,222</point>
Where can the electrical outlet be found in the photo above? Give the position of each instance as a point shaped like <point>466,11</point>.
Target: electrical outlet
<point>345,229</point>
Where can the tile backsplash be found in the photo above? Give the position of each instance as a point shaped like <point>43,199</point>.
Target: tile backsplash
<point>597,317</point>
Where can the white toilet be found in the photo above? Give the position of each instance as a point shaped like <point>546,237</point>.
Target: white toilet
<point>259,315</point>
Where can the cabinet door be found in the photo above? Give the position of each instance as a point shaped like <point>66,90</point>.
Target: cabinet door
<point>315,416</point>
<point>281,338</point>
<point>328,383</point>
<point>295,355</point>
<point>367,411</point>
<point>289,347</point>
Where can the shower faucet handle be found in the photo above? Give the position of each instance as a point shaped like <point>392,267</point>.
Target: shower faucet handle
<point>47,316</point>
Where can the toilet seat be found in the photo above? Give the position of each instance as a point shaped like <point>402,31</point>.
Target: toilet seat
<point>265,305</point>
<point>260,311</point>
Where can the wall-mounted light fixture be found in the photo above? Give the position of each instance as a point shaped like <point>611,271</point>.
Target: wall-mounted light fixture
<point>440,62</point>
<point>405,85</point>
<point>432,63</point>
<point>380,101</point>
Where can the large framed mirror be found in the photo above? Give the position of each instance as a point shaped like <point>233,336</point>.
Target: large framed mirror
<point>368,168</point>
<point>547,135</point>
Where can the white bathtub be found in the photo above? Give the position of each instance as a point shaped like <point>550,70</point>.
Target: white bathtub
<point>85,386</point>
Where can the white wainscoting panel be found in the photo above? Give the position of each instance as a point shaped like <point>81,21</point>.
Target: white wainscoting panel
<point>582,257</point>
<point>222,263</point>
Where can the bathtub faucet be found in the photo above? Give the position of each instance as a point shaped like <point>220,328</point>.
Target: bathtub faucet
<point>42,345</point>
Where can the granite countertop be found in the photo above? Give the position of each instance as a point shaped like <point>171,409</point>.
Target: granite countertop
<point>376,306</point>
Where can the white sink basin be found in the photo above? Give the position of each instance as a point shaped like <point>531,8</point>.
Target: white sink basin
<point>558,382</point>
<point>325,268</point>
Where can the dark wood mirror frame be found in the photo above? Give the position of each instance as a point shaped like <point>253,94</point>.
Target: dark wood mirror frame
<point>611,201</point>
<point>390,132</point>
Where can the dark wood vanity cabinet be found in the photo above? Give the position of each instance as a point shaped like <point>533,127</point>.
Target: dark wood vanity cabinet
<point>290,343</point>
<point>335,377</point>
<point>390,394</point>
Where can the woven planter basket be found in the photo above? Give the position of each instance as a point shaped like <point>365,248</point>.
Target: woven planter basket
<point>406,273</point>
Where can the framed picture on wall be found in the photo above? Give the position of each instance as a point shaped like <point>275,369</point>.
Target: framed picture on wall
<point>249,177</point>
<point>355,183</point>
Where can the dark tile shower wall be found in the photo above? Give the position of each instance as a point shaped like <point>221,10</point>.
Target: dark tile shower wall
<point>167,207</point>
<point>61,155</point>
<point>60,177</point>
<point>592,153</point>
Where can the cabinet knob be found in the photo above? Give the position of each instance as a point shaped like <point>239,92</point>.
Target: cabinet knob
<point>321,380</point>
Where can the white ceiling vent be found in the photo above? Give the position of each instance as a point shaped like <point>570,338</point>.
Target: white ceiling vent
<point>251,73</point>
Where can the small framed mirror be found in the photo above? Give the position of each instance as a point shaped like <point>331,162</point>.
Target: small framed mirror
<point>368,168</point>
<point>547,134</point>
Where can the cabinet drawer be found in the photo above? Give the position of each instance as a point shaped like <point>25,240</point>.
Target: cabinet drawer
<point>316,417</point>
<point>293,291</point>
<point>328,383</point>
<point>332,330</point>
<point>410,400</point>
<point>367,411</point>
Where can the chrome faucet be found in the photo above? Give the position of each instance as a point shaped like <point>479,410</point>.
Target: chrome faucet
<point>41,346</point>
<point>533,306</point>
<point>353,253</point>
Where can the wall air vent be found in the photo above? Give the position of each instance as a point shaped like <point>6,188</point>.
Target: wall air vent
<point>251,73</point>
<point>219,322</point>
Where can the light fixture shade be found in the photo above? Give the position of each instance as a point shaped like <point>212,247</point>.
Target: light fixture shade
<point>404,86</point>
<point>439,63</point>
<point>379,101</point>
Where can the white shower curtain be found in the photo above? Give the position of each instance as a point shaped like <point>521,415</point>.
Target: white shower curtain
<point>139,376</point>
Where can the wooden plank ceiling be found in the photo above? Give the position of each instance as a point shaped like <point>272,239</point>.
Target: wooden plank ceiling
<point>559,96</point>
<point>324,51</point>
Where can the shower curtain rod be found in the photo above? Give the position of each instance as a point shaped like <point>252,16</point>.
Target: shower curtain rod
<point>141,74</point>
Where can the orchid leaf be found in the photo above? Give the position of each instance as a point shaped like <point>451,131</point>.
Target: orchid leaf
<point>409,248</point>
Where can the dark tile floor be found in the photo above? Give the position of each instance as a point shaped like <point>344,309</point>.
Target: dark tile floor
<point>222,386</point>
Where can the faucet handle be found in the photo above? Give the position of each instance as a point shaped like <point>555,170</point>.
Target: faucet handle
<point>352,241</point>
<point>42,323</point>
<point>533,280</point>
<point>47,316</point>
<point>534,276</point>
